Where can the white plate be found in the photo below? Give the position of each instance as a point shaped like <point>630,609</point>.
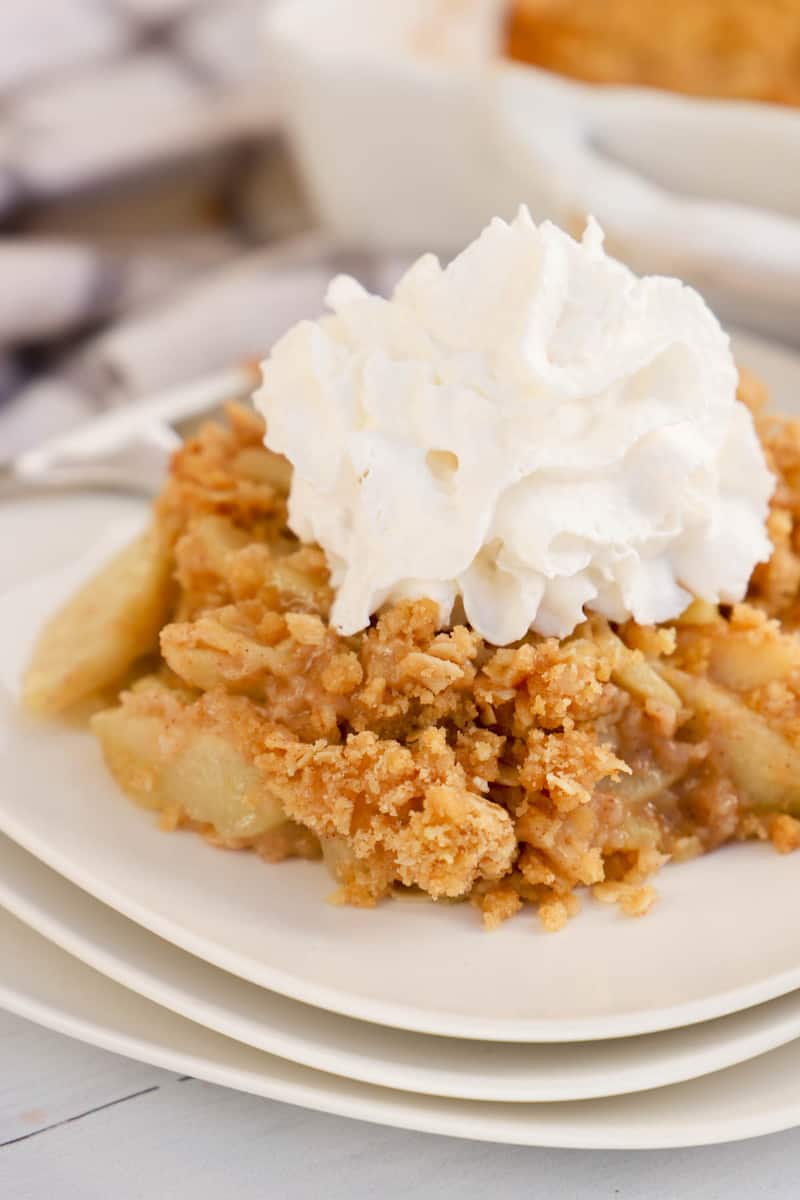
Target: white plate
<point>711,947</point>
<point>466,1070</point>
<point>42,983</point>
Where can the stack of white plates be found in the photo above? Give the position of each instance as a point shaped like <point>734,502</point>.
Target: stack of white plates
<point>678,1029</point>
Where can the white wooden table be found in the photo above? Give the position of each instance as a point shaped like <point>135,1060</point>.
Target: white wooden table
<point>81,1124</point>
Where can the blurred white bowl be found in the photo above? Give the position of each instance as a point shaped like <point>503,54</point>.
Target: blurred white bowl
<point>412,132</point>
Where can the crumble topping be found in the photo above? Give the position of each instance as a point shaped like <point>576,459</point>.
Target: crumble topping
<point>414,758</point>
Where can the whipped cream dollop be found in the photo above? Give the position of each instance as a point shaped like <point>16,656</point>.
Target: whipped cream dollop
<point>532,428</point>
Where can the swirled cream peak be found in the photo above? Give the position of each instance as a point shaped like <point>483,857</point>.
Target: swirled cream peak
<point>532,429</point>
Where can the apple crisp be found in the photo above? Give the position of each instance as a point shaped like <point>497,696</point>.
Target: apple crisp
<point>411,757</point>
<point>732,49</point>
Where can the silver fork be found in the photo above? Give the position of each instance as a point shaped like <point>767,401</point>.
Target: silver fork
<point>127,449</point>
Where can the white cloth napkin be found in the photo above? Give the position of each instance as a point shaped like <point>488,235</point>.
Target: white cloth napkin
<point>53,286</point>
<point>226,316</point>
<point>140,169</point>
<point>92,90</point>
<point>95,97</point>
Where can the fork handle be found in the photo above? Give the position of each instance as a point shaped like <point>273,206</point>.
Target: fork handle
<point>137,467</point>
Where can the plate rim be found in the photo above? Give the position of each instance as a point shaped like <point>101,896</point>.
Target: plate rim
<point>326,1093</point>
<point>109,956</point>
<point>404,1017</point>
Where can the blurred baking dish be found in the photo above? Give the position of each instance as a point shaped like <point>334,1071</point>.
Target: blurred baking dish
<point>412,127</point>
